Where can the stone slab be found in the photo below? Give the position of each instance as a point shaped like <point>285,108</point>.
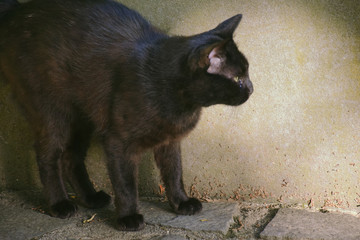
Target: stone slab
<point>215,217</point>
<point>301,224</point>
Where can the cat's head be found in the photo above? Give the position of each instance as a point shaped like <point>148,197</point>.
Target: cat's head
<point>220,72</point>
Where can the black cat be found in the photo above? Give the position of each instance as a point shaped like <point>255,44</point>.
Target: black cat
<point>84,66</point>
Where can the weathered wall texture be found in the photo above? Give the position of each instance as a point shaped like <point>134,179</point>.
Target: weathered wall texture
<point>298,136</point>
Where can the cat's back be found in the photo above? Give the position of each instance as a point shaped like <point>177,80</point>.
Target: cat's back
<point>69,21</point>
<point>67,48</point>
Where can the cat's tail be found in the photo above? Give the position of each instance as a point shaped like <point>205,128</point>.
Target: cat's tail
<point>6,6</point>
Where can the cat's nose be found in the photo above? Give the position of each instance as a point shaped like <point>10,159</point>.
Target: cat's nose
<point>249,86</point>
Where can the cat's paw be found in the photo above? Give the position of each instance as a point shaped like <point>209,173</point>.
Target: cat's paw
<point>63,209</point>
<point>133,222</point>
<point>97,200</point>
<point>189,207</point>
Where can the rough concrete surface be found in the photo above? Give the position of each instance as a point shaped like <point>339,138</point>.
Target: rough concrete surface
<point>22,217</point>
<point>301,224</point>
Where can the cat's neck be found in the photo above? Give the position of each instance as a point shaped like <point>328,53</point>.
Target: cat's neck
<point>165,74</point>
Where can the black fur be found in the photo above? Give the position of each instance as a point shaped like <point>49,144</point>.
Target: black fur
<point>79,67</point>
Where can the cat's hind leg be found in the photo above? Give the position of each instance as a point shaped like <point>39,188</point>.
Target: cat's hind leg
<point>74,168</point>
<point>51,135</point>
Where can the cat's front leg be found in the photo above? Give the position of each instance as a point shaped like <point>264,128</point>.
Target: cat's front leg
<point>168,159</point>
<point>122,167</point>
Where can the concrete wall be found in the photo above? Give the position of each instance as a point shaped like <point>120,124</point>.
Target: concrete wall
<point>296,139</point>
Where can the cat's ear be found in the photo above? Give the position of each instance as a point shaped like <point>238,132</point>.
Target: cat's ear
<point>217,58</point>
<point>227,28</point>
<point>207,55</point>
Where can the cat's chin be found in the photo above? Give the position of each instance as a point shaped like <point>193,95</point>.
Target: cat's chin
<point>237,100</point>
<point>240,100</point>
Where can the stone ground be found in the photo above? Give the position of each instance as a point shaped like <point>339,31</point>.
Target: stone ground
<point>22,217</point>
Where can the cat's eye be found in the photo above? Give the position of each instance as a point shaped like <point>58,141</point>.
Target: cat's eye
<point>238,81</point>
